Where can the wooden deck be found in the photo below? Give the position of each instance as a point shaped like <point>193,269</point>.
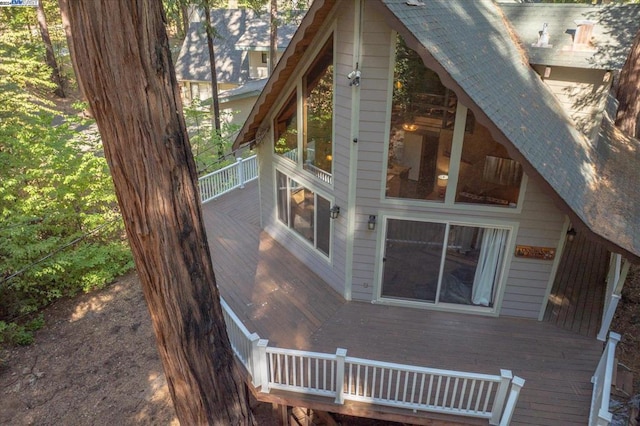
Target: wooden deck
<point>283,301</point>
<point>577,296</point>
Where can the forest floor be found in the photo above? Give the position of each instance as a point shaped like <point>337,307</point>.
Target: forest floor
<point>95,362</point>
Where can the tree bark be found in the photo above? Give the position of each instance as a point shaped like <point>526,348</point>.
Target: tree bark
<point>124,66</point>
<point>273,36</point>
<point>50,57</point>
<point>628,93</point>
<point>215,102</point>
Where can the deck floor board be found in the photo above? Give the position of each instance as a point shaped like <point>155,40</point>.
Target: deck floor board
<point>278,297</point>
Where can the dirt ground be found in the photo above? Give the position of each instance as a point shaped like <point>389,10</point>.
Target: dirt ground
<point>95,362</point>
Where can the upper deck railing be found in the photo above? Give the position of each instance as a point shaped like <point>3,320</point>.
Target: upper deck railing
<point>228,178</point>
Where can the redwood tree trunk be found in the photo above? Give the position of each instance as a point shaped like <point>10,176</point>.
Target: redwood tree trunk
<point>628,93</point>
<point>124,66</point>
<point>50,57</point>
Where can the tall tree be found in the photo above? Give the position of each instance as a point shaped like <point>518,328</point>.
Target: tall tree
<point>273,36</point>
<point>50,57</point>
<point>215,104</point>
<point>628,92</point>
<point>124,65</point>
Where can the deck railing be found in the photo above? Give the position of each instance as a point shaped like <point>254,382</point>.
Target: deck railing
<point>602,380</point>
<point>345,378</point>
<point>228,178</point>
<point>337,376</point>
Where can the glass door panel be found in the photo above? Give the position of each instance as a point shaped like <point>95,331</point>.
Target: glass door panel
<point>412,259</point>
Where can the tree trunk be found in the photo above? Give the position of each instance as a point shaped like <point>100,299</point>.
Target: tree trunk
<point>215,103</point>
<point>273,36</point>
<point>124,65</point>
<point>50,57</point>
<point>184,14</point>
<point>628,93</point>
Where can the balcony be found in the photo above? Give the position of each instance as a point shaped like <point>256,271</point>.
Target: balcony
<point>276,297</point>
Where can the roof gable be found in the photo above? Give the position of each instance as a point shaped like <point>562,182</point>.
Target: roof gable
<point>471,47</point>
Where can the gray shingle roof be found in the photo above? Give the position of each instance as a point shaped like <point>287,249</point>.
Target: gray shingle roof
<point>232,64</point>
<point>612,36</point>
<point>470,46</point>
<point>473,46</point>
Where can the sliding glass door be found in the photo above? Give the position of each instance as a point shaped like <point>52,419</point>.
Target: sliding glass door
<point>442,262</point>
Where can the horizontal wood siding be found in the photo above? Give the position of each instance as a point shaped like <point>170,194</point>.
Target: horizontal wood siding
<point>541,225</point>
<point>373,132</point>
<point>333,271</point>
<point>581,92</point>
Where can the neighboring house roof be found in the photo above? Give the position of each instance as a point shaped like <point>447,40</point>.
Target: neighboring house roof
<point>247,90</point>
<point>470,46</point>
<point>611,38</point>
<point>232,27</point>
<point>256,37</point>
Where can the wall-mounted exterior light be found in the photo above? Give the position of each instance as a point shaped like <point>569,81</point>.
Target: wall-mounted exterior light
<point>371,224</point>
<point>334,212</point>
<point>571,234</point>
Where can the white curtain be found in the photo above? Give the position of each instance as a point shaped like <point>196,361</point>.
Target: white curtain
<point>489,264</point>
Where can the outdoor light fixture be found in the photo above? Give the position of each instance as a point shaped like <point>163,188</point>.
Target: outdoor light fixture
<point>410,127</point>
<point>371,225</point>
<point>571,234</point>
<point>335,212</point>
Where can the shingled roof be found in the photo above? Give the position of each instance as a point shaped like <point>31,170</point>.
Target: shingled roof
<point>234,27</point>
<point>611,38</point>
<point>471,47</point>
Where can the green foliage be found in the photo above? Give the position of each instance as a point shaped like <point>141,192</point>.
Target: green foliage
<point>211,150</point>
<point>60,228</point>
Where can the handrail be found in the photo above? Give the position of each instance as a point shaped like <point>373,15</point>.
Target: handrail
<point>397,385</point>
<point>228,178</point>
<point>602,379</point>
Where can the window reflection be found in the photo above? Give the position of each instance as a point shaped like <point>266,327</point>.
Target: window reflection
<point>422,119</point>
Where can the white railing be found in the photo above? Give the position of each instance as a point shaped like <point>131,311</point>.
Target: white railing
<point>615,281</point>
<point>602,380</point>
<point>318,172</point>
<point>337,376</point>
<point>228,178</point>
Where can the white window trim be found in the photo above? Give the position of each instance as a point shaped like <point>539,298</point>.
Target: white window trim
<point>442,306</point>
<point>312,186</point>
<point>296,84</point>
<point>454,161</point>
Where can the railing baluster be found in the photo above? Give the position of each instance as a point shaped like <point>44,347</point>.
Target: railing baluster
<point>446,392</point>
<point>454,394</point>
<point>479,395</point>
<point>462,393</point>
<point>471,394</point>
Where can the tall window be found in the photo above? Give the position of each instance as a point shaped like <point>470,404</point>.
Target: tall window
<point>303,211</point>
<point>487,174</point>
<point>443,262</point>
<point>318,113</point>
<point>421,134</point>
<point>308,140</point>
<point>421,143</point>
<point>286,130</point>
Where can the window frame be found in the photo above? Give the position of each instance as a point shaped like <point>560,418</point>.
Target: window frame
<point>455,159</point>
<point>500,286</point>
<point>303,184</point>
<point>297,87</point>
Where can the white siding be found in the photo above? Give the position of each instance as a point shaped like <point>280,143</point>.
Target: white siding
<point>333,270</point>
<point>581,93</point>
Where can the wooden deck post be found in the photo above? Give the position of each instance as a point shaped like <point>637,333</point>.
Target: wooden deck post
<point>613,299</point>
<point>263,365</point>
<point>341,354</point>
<point>501,396</point>
<point>254,360</point>
<point>516,386</point>
<point>240,172</point>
